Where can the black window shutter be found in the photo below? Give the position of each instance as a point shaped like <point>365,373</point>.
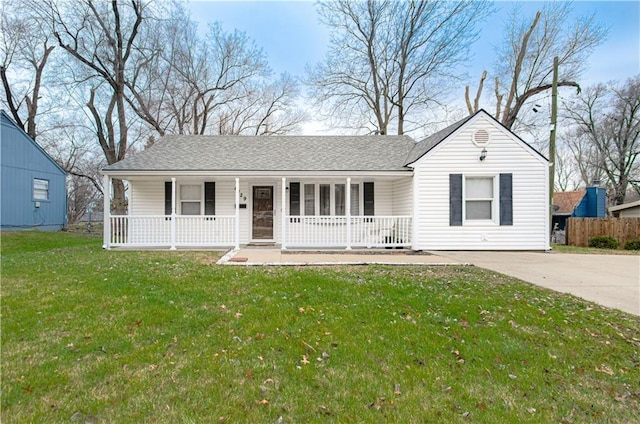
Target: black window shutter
<point>455,199</point>
<point>506,199</point>
<point>209,198</point>
<point>294,198</point>
<point>369,204</point>
<point>167,197</point>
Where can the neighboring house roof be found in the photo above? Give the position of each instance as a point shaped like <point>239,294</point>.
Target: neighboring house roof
<point>4,117</point>
<point>624,206</point>
<point>567,201</point>
<point>273,153</point>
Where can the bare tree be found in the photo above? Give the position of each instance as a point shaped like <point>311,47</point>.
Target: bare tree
<point>103,39</point>
<point>389,61</point>
<point>72,148</point>
<point>525,61</point>
<point>565,178</point>
<point>25,47</point>
<point>266,109</point>
<point>607,118</point>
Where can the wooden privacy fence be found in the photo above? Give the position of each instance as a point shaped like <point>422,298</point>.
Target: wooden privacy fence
<point>580,230</point>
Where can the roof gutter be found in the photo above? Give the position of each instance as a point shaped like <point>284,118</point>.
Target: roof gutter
<point>231,173</point>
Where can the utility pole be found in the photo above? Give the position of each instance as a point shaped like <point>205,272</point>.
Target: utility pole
<point>552,141</point>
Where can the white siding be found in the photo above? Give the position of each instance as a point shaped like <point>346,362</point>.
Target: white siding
<point>383,197</point>
<point>402,197</point>
<point>459,155</point>
<point>146,197</point>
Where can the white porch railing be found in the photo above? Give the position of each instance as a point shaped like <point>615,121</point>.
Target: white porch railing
<point>338,231</point>
<point>157,231</point>
<point>300,231</point>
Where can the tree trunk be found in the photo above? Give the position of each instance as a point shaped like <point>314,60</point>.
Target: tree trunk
<point>119,202</point>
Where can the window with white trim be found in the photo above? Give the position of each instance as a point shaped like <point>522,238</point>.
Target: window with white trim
<point>325,199</point>
<point>40,189</point>
<point>190,199</point>
<point>478,198</point>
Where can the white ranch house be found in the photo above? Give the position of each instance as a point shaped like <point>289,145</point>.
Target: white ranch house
<point>471,186</point>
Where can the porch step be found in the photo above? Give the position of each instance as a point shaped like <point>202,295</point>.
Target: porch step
<point>258,244</point>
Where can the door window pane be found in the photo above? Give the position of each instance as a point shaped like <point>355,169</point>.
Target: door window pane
<point>309,199</point>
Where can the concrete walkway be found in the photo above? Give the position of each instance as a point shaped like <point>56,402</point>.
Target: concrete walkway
<point>610,280</point>
<point>271,256</point>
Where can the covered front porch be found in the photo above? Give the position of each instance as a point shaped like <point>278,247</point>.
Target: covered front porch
<point>292,212</point>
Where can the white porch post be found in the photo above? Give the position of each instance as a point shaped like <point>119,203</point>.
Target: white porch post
<point>237,223</point>
<point>106,212</point>
<point>348,211</point>
<point>283,214</point>
<point>173,213</point>
<point>415,214</point>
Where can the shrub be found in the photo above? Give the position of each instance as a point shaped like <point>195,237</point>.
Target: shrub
<point>632,244</point>
<point>603,242</point>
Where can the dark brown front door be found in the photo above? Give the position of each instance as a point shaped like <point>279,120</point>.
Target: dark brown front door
<point>263,212</point>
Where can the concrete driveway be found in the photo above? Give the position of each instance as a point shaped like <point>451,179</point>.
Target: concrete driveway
<point>610,280</point>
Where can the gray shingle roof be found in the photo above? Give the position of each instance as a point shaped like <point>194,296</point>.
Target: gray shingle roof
<point>273,153</point>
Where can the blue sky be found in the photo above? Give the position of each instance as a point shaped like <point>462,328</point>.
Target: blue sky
<point>291,35</point>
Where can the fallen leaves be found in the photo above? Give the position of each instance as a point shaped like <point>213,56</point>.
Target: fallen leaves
<point>458,355</point>
<point>605,370</point>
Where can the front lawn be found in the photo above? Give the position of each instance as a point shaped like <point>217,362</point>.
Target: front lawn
<point>562,248</point>
<point>95,336</point>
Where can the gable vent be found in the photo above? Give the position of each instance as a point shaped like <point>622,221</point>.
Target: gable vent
<point>481,138</point>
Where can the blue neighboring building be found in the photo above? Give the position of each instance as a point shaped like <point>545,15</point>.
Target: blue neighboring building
<point>588,203</point>
<point>33,191</point>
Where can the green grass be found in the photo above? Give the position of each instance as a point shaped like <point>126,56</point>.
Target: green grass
<point>561,248</point>
<point>95,336</point>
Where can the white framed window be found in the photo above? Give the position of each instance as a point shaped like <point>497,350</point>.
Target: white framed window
<point>479,198</point>
<point>190,199</point>
<point>40,189</point>
<point>326,199</point>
